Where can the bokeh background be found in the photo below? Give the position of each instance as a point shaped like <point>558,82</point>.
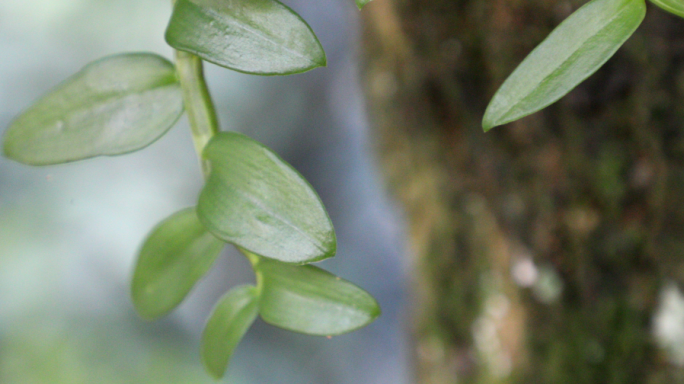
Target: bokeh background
<point>69,233</point>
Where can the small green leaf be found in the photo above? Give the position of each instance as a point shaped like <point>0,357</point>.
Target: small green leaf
<point>228,323</point>
<point>577,48</point>
<point>310,300</point>
<point>262,37</point>
<point>675,7</point>
<point>177,253</point>
<point>115,105</point>
<point>257,201</point>
<point>362,3</point>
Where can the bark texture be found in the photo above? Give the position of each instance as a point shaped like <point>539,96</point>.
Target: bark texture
<point>540,247</point>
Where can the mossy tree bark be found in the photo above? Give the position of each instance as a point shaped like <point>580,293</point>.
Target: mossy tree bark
<point>540,247</point>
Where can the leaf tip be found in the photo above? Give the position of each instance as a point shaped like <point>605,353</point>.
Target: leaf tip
<point>487,123</point>
<point>330,246</point>
<point>7,149</point>
<point>361,3</point>
<point>216,372</point>
<point>319,59</point>
<point>141,305</point>
<point>492,116</point>
<point>375,311</point>
<point>13,150</point>
<point>328,250</point>
<point>10,149</point>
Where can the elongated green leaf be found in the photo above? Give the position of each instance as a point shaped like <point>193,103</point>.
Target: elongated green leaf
<point>262,37</point>
<point>257,201</point>
<point>228,323</point>
<point>113,106</point>
<point>572,52</point>
<point>177,253</point>
<point>675,7</point>
<point>362,3</point>
<point>310,300</point>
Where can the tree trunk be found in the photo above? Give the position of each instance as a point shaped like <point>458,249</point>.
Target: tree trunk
<point>540,247</point>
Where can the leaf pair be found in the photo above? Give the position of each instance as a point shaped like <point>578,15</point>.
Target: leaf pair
<point>255,200</point>
<point>303,299</point>
<point>252,199</point>
<point>299,298</point>
<point>577,48</point>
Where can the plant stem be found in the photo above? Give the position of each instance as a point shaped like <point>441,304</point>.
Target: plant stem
<point>198,103</point>
<point>203,121</point>
<point>254,260</point>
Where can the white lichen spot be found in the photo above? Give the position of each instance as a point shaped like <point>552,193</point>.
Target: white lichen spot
<point>525,272</point>
<point>668,323</point>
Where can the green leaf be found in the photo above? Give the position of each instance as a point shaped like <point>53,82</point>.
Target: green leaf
<point>310,300</point>
<point>262,37</point>
<point>228,323</point>
<point>115,105</point>
<point>177,253</point>
<point>675,7</point>
<point>362,3</point>
<point>257,201</point>
<point>577,48</point>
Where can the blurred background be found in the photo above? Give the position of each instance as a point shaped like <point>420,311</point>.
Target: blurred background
<point>69,233</point>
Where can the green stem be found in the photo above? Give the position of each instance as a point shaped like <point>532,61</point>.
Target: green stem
<point>198,103</point>
<point>254,260</point>
<point>203,121</point>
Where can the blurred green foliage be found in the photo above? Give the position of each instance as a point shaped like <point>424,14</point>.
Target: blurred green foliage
<point>86,350</point>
